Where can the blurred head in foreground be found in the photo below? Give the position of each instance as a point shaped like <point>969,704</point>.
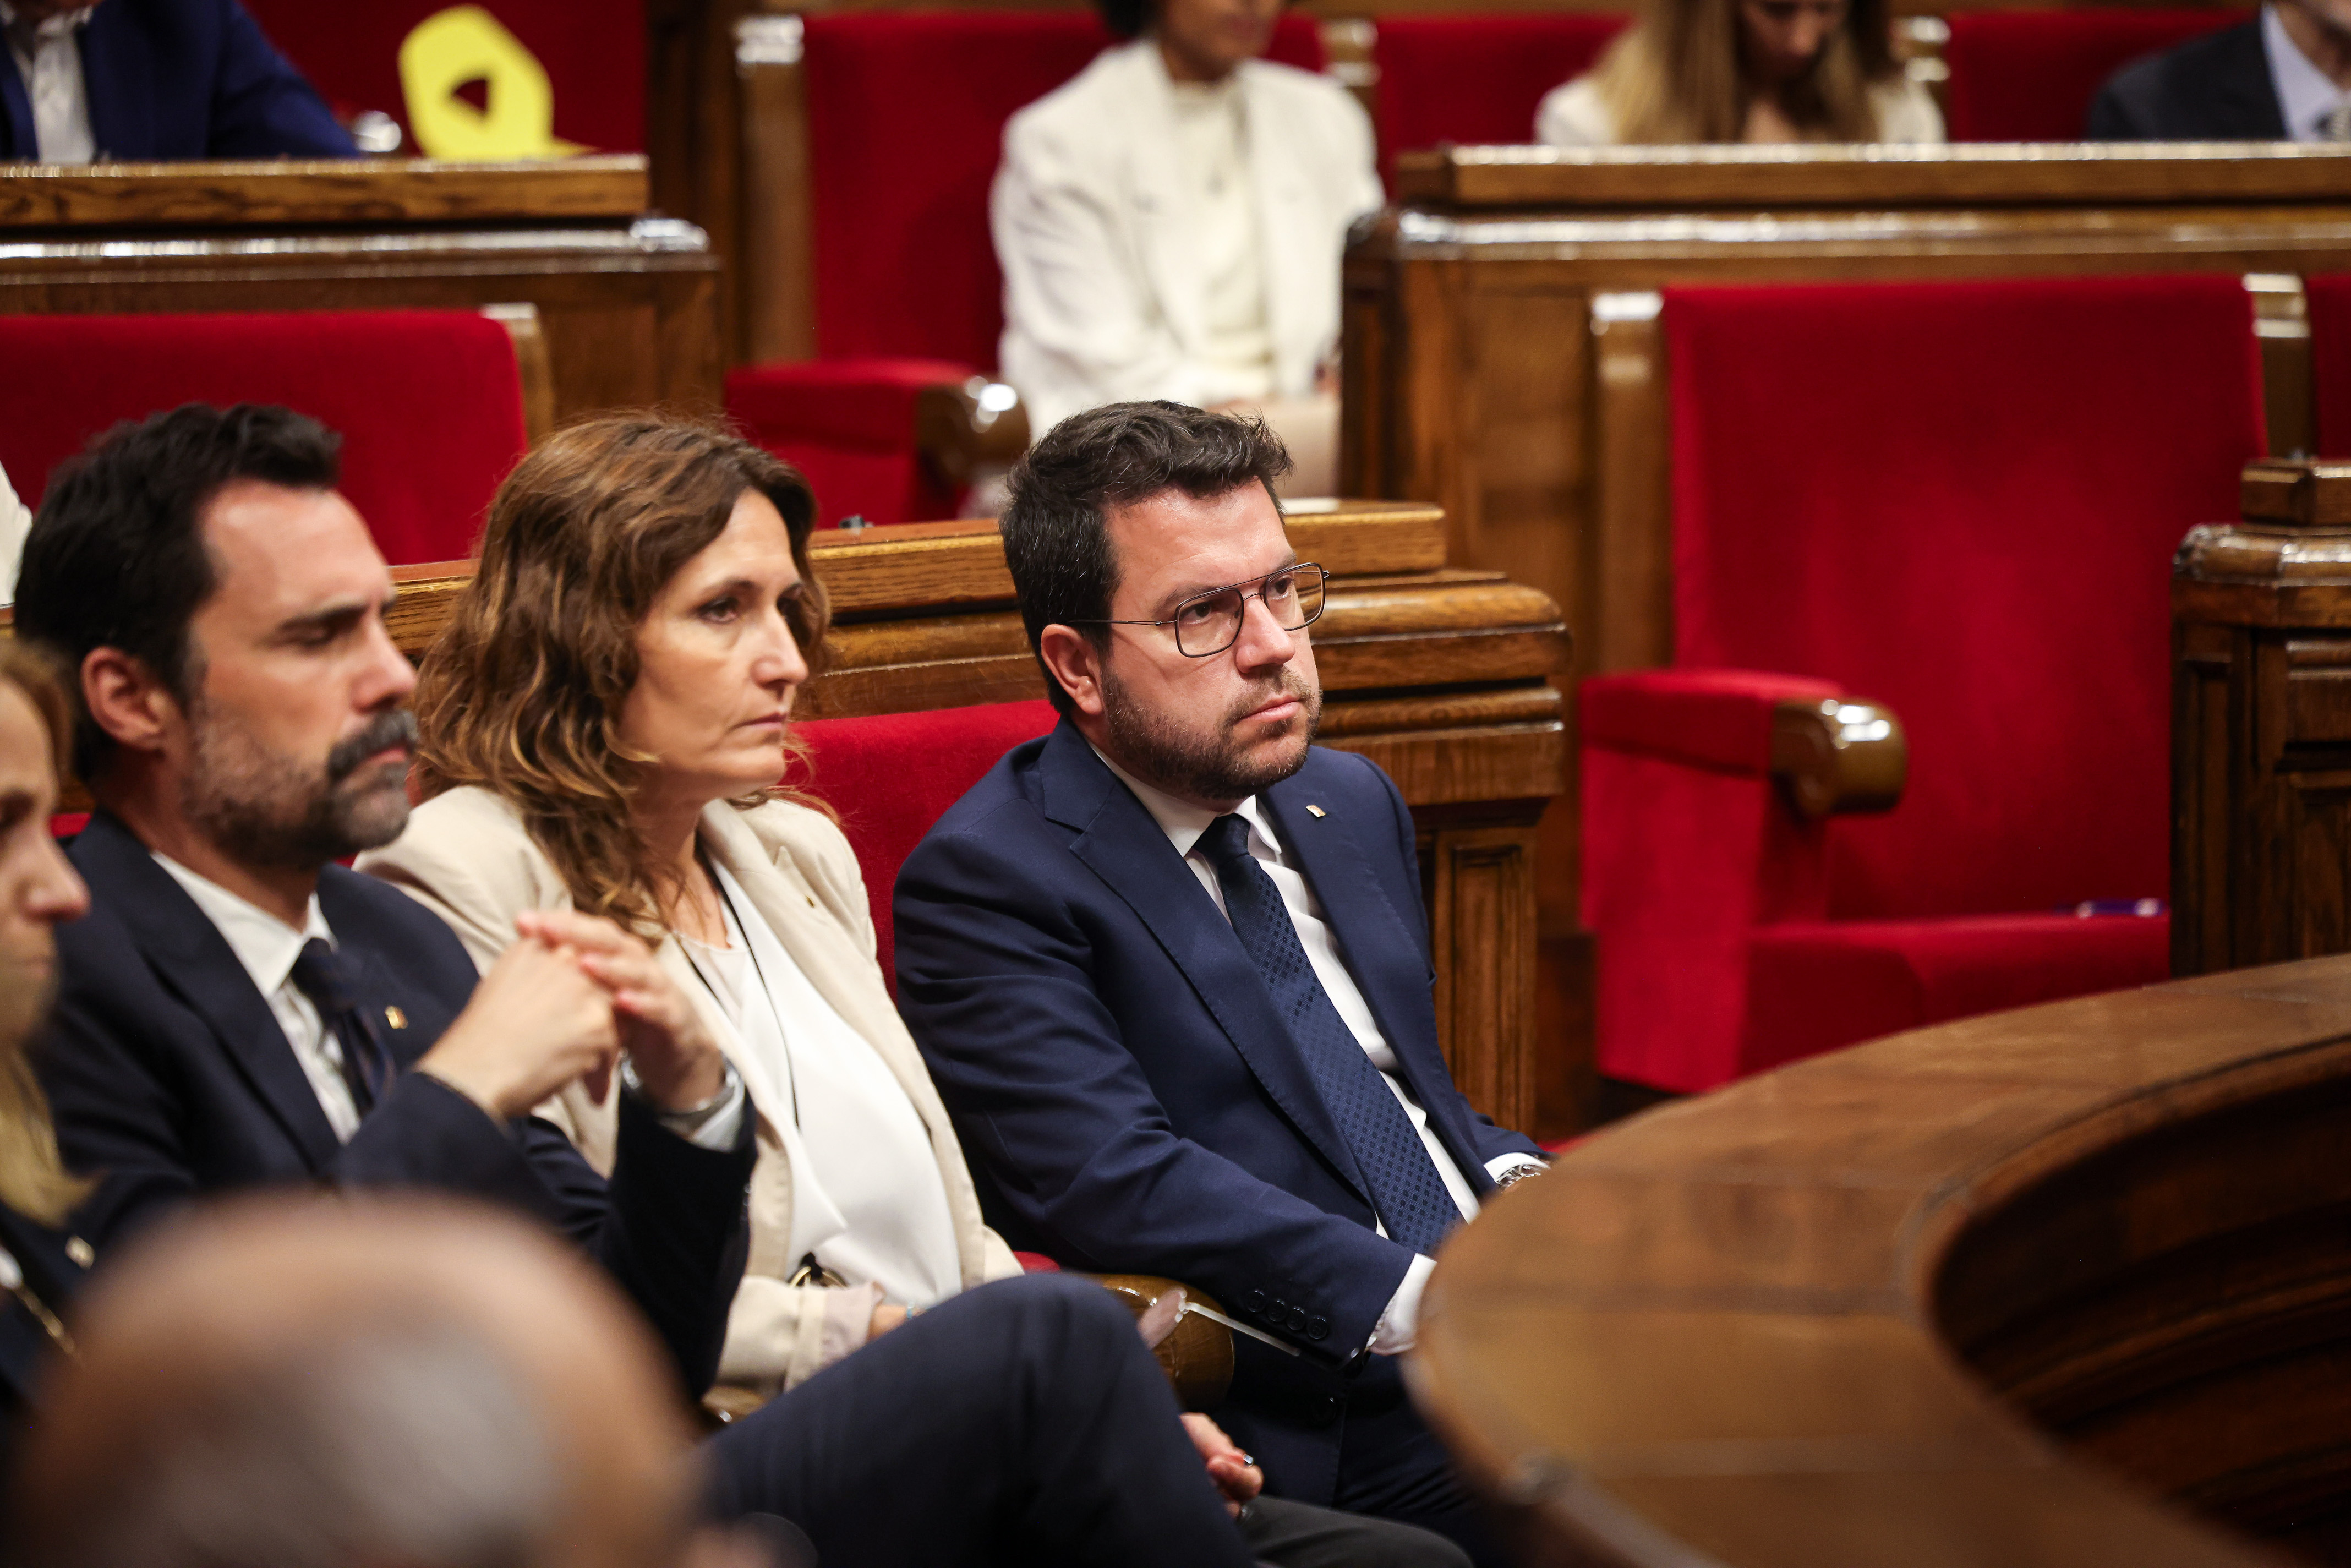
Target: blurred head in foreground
<point>305,1383</point>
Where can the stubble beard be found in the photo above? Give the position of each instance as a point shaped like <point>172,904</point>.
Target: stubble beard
<point>266,810</point>
<point>1211,767</point>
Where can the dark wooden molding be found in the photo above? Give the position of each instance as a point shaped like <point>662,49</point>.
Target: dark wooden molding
<point>339,191</point>
<point>1839,755</point>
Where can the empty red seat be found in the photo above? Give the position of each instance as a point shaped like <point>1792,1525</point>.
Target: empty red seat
<point>2329,300</point>
<point>1960,500</point>
<point>2030,75</point>
<point>890,777</point>
<point>905,123</point>
<point>1473,80</point>
<point>429,403</point>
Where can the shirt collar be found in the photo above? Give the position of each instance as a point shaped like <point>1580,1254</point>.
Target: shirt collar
<point>263,944</point>
<point>2306,96</point>
<point>1184,822</point>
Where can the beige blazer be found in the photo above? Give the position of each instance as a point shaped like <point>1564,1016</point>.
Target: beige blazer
<point>467,857</point>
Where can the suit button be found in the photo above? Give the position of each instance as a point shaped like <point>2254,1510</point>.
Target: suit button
<point>1296,1319</point>
<point>1254,1301</point>
<point>1322,1408</point>
<point>1276,1309</point>
<point>1318,1328</point>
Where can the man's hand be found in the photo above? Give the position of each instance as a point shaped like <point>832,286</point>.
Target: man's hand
<point>536,1022</point>
<point>1235,1473</point>
<point>678,1064</point>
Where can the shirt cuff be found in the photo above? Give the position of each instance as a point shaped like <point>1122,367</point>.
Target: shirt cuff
<point>1501,1166</point>
<point>1399,1326</point>
<point>712,1124</point>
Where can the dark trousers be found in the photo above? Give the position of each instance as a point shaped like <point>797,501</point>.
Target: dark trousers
<point>1391,1466</point>
<point>1022,1422</point>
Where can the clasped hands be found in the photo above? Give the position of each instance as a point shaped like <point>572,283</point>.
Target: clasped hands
<point>563,1003</point>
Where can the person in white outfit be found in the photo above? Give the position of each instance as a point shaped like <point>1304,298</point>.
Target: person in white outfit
<point>1170,223</point>
<point>1744,70</point>
<point>16,522</point>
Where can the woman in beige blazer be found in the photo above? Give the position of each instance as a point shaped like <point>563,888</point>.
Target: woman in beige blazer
<point>601,727</point>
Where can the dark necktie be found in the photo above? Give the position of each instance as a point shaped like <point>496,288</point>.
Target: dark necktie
<point>1406,1188</point>
<point>319,975</point>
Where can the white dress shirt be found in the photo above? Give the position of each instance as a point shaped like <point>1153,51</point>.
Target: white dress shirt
<point>2307,97</point>
<point>267,948</point>
<point>1183,823</point>
<point>868,1200</point>
<point>50,62</point>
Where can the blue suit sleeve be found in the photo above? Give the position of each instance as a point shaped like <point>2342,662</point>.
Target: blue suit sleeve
<point>264,108</point>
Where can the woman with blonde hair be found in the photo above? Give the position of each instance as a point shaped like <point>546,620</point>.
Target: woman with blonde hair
<point>1744,70</point>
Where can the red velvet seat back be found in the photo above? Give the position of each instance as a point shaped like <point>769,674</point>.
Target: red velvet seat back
<point>2028,76</point>
<point>429,403</point>
<point>891,777</point>
<point>1962,499</point>
<point>1472,79</point>
<point>2330,361</point>
<point>906,118</point>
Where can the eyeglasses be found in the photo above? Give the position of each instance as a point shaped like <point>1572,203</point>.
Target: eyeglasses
<point>1208,623</point>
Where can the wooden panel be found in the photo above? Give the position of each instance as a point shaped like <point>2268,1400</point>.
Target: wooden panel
<point>388,191</point>
<point>1764,1327</point>
<point>1481,896</point>
<point>774,270</point>
<point>1633,624</point>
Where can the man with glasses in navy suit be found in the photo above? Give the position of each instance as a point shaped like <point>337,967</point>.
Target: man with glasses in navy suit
<point>1170,967</point>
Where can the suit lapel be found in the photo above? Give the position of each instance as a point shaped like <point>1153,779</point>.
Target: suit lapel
<point>118,83</point>
<point>18,108</point>
<point>195,961</point>
<point>1288,234</point>
<point>1163,237</point>
<point>24,1343</point>
<point>1121,843</point>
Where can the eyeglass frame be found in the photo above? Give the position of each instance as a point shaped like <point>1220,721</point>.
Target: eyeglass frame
<point>1243,586</point>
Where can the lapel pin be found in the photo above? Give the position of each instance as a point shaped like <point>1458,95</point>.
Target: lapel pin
<point>1316,811</point>
<point>81,1252</point>
<point>395,1018</point>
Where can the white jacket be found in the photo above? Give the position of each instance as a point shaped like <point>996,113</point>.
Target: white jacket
<point>1103,297</point>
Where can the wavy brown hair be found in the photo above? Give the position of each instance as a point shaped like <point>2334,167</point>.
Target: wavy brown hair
<point>1674,76</point>
<point>521,694</point>
<point>33,1179</point>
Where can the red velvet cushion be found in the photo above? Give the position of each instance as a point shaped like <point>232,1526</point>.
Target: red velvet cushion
<point>1714,718</point>
<point>906,118</point>
<point>892,776</point>
<point>2330,361</point>
<point>2028,76</point>
<point>593,52</point>
<point>848,425</point>
<point>428,402</point>
<point>1962,499</point>
<point>1471,80</point>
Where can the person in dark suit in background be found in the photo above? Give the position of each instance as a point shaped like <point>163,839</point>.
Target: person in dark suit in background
<point>2283,76</point>
<point>39,1263</point>
<point>1169,965</point>
<point>140,80</point>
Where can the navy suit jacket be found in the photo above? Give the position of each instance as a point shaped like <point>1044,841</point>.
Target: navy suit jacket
<point>2213,89</point>
<point>1121,1080</point>
<point>170,1078</point>
<point>170,80</point>
<point>25,1348</point>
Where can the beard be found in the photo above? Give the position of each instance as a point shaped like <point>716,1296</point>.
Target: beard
<point>1211,765</point>
<point>267,810</point>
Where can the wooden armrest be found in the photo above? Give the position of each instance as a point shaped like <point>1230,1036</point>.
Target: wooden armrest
<point>1838,756</point>
<point>1198,1356</point>
<point>964,427</point>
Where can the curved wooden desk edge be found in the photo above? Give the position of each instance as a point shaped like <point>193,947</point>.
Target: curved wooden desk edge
<point>1708,1335</point>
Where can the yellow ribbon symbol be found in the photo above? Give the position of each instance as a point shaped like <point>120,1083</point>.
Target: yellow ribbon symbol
<point>463,44</point>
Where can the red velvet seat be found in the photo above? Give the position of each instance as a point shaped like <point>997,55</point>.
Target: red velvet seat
<point>2030,75</point>
<point>892,776</point>
<point>906,118</point>
<point>2329,299</point>
<point>1960,500</point>
<point>1473,80</point>
<point>429,403</point>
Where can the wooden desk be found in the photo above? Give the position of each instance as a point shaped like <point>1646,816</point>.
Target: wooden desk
<point>1438,675</point>
<point>628,302</point>
<point>1983,1295</point>
<point>1504,358</point>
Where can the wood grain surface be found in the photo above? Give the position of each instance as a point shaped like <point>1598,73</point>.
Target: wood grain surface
<point>2008,1292</point>
<point>375,191</point>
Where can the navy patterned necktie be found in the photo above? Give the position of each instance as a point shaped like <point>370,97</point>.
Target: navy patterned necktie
<point>1406,1188</point>
<point>319,974</point>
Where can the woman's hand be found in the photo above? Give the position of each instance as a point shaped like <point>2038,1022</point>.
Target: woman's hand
<point>534,1023</point>
<point>1235,1473</point>
<point>678,1065</point>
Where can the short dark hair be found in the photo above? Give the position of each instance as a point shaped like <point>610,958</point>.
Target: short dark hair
<point>1125,18</point>
<point>1056,526</point>
<point>116,558</point>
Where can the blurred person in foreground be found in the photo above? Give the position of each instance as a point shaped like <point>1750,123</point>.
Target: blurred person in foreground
<point>1744,70</point>
<point>143,80</point>
<point>1170,224</point>
<point>297,1383</point>
<point>603,728</point>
